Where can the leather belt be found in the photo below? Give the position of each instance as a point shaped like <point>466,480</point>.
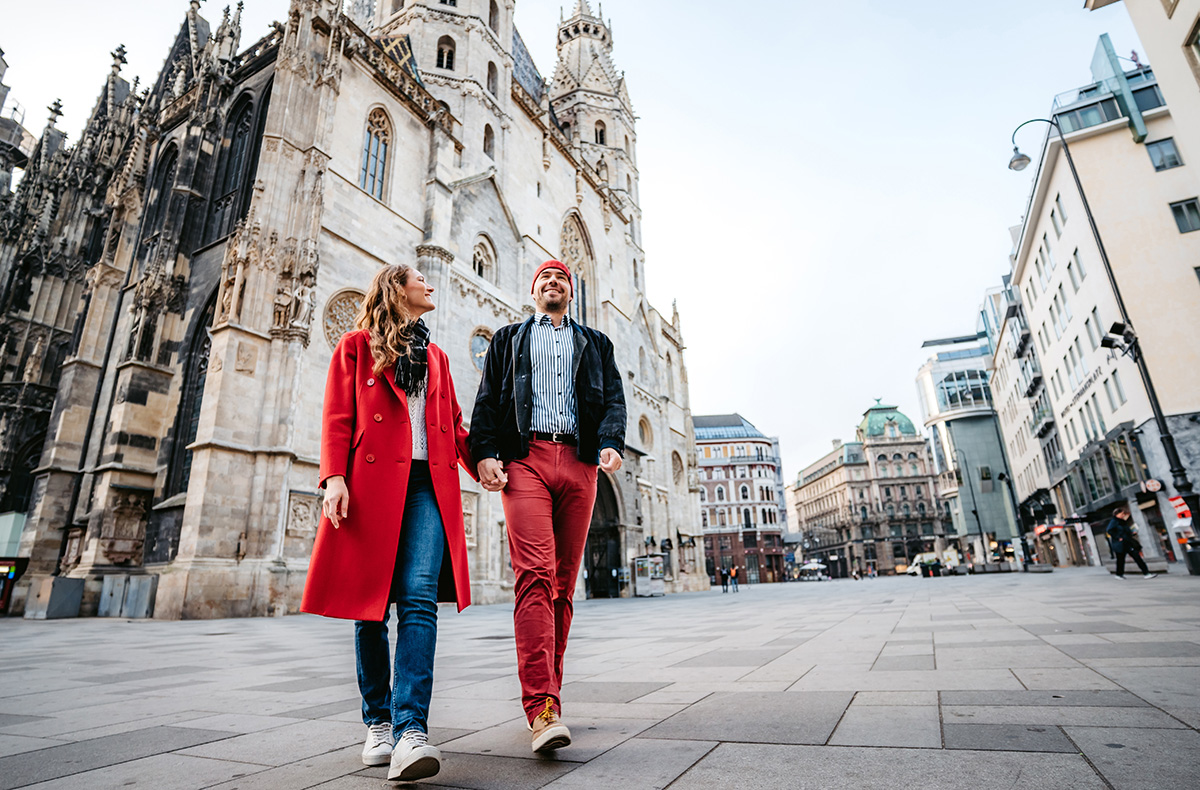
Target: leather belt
<point>557,438</point>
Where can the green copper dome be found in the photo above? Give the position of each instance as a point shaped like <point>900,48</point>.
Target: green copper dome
<point>876,419</point>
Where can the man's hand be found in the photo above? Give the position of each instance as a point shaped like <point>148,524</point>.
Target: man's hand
<point>610,460</point>
<point>337,500</point>
<point>491,474</point>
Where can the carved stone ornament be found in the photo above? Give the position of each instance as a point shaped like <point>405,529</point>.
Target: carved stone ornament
<point>340,313</point>
<point>303,515</point>
<point>123,530</point>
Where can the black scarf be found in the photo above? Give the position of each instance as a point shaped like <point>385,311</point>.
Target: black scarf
<point>412,369</point>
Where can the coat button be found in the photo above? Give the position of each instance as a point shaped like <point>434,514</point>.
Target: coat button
<point>370,458</point>
<point>370,382</point>
<point>378,418</point>
<point>444,429</point>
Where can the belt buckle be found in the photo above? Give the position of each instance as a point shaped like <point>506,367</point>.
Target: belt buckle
<point>557,438</point>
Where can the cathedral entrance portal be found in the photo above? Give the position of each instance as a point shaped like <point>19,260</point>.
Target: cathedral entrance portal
<point>603,557</point>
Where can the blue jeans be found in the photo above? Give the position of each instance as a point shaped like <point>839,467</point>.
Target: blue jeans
<point>414,590</point>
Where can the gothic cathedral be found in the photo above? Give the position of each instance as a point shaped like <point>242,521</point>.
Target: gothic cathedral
<point>172,287</point>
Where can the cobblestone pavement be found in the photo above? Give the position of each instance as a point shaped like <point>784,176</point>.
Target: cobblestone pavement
<point>1065,680</point>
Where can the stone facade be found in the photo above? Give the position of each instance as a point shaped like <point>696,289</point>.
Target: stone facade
<point>870,504</point>
<point>741,501</point>
<point>257,192</point>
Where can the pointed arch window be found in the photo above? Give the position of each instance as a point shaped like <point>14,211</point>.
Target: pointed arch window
<point>187,420</point>
<point>232,175</point>
<point>720,493</point>
<point>600,133</point>
<point>493,16</point>
<point>745,492</point>
<point>160,195</point>
<point>492,78</point>
<point>397,6</point>
<point>445,53</point>
<point>483,260</point>
<point>376,139</point>
<point>489,141</point>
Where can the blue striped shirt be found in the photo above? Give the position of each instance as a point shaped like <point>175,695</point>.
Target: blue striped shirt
<point>552,350</point>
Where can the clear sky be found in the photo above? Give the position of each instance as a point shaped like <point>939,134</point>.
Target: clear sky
<point>824,184</point>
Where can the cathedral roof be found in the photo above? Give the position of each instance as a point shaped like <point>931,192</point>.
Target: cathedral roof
<point>876,419</point>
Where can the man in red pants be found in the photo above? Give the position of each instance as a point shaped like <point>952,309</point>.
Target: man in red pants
<point>550,408</point>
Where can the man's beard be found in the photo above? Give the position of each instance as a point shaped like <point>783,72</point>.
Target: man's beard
<point>555,303</point>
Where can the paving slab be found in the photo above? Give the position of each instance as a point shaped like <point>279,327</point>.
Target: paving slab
<point>800,717</point>
<point>913,726</point>
<point>1083,627</point>
<point>159,772</point>
<point>777,767</point>
<point>1059,714</point>
<point>1059,697</point>
<point>478,772</point>
<point>26,768</point>
<point>590,737</point>
<point>589,691</point>
<point>642,763</point>
<point>1007,737</point>
<point>1138,759</point>
<point>285,744</point>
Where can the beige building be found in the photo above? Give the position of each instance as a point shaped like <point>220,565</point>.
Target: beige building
<point>253,194</point>
<point>869,504</point>
<point>742,511</point>
<point>1082,399</point>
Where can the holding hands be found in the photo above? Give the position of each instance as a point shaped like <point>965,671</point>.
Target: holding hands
<point>491,474</point>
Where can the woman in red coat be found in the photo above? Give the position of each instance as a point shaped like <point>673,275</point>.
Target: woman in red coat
<point>391,528</point>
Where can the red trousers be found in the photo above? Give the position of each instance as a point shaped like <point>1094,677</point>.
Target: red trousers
<point>548,507</point>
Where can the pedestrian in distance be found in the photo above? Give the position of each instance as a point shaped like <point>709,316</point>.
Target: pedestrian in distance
<point>733,577</point>
<point>724,574</point>
<point>391,526</point>
<point>549,413</point>
<point>1123,541</point>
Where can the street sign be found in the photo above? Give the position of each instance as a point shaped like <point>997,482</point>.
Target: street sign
<point>1181,508</point>
<point>1153,485</point>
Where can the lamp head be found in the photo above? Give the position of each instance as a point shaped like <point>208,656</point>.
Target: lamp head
<point>1108,342</point>
<point>1118,328</point>
<point>1019,161</point>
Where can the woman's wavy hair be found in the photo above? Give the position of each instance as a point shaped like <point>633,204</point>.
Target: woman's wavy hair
<point>384,314</point>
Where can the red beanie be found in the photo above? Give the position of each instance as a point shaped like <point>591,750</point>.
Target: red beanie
<point>554,265</point>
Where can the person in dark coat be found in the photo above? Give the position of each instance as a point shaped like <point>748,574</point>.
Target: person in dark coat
<point>391,527</point>
<point>1123,541</point>
<point>724,574</point>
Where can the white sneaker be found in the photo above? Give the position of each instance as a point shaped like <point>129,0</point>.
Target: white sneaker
<point>1119,576</point>
<point>1149,575</point>
<point>413,758</point>
<point>378,748</point>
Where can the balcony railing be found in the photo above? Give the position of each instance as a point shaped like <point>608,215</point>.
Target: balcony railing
<point>1035,382</point>
<point>1023,342</point>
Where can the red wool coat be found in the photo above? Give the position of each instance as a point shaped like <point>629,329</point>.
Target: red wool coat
<point>366,436</point>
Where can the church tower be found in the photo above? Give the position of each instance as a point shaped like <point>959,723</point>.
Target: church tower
<point>590,100</point>
<point>463,51</point>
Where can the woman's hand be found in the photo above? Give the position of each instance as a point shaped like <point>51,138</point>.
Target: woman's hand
<point>337,500</point>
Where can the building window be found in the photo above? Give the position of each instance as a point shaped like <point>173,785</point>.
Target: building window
<point>445,53</point>
<point>489,141</point>
<point>746,517</point>
<point>1091,333</point>
<point>494,16</point>
<point>891,510</point>
<point>600,132</point>
<point>720,493</point>
<point>1054,221</point>
<point>1187,215</point>
<point>483,260</point>
<point>229,199</point>
<point>863,512</point>
<point>745,492</point>
<point>1163,154</point>
<point>452,3</point>
<point>374,157</point>
<point>492,79</point>
<point>1116,377</point>
<point>1074,275</point>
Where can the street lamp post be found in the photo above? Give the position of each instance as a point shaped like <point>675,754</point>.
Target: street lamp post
<point>983,541</point>
<point>1128,342</point>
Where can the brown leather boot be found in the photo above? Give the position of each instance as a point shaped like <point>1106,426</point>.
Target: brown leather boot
<point>548,732</point>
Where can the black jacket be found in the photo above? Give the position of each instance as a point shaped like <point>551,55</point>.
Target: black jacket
<point>504,405</point>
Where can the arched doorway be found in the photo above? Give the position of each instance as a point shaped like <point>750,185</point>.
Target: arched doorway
<point>603,556</point>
